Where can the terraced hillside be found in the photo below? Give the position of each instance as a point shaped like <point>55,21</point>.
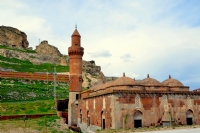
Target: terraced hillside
<point>28,90</point>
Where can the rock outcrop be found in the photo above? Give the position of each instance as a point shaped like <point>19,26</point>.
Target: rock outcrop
<point>13,37</point>
<point>46,49</point>
<point>92,74</point>
<point>34,57</point>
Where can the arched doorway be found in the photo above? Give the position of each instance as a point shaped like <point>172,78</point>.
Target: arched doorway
<point>189,117</point>
<point>137,119</point>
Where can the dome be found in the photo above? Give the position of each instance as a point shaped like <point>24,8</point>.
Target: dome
<point>172,82</point>
<point>124,81</point>
<point>93,87</point>
<point>150,81</point>
<point>97,87</point>
<point>109,84</point>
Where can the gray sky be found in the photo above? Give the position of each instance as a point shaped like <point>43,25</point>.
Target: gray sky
<point>138,37</point>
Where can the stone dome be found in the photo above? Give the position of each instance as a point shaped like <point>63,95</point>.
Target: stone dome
<point>97,87</point>
<point>172,82</point>
<point>124,81</point>
<point>109,84</point>
<point>150,81</point>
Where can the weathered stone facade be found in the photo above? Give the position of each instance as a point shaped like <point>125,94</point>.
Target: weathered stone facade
<point>127,103</point>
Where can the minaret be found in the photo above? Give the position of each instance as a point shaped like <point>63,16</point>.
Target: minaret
<point>75,53</point>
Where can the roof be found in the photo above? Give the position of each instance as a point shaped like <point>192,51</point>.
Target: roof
<point>109,84</point>
<point>124,81</point>
<point>150,81</point>
<point>172,82</point>
<point>75,33</point>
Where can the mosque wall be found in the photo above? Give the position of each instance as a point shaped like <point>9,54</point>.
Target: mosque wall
<point>119,110</point>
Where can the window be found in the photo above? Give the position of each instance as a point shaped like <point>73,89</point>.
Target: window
<point>77,96</point>
<point>80,116</point>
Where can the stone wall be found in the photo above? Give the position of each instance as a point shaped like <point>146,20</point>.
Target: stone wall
<point>95,109</point>
<point>156,109</point>
<point>34,76</point>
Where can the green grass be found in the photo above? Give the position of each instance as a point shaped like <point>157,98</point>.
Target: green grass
<point>30,90</point>
<point>27,66</point>
<point>16,49</point>
<point>28,107</point>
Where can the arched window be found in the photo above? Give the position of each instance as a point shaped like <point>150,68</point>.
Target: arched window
<point>103,122</point>
<point>81,116</point>
<point>88,119</point>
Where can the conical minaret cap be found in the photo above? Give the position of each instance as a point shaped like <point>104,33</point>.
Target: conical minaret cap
<point>76,33</point>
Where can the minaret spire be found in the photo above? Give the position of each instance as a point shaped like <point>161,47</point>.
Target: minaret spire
<point>76,26</point>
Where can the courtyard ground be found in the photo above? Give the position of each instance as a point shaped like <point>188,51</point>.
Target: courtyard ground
<point>177,129</point>
<point>191,130</point>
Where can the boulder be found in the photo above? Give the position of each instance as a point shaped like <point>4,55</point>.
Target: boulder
<point>46,49</point>
<point>13,37</point>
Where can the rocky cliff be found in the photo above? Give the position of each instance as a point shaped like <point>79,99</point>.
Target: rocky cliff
<point>13,37</point>
<point>92,74</point>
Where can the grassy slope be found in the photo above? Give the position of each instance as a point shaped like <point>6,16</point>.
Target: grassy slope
<point>21,96</point>
<point>25,90</point>
<point>44,124</point>
<point>27,66</point>
<point>28,107</point>
<point>16,49</point>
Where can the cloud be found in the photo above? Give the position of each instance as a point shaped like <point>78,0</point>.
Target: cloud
<point>127,57</point>
<point>163,36</point>
<point>101,53</point>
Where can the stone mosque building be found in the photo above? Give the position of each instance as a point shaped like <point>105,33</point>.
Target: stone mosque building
<point>126,102</point>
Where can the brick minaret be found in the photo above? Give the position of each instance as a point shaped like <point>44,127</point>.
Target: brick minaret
<point>75,53</point>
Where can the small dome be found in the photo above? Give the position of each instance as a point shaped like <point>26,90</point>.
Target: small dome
<point>172,82</point>
<point>109,84</point>
<point>124,81</point>
<point>150,81</point>
<point>97,87</point>
<point>93,87</point>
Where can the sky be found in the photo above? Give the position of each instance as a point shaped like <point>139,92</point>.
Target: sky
<point>138,37</point>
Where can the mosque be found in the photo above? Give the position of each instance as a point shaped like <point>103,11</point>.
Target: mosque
<point>126,102</point>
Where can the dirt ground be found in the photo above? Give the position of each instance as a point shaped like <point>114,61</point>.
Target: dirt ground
<point>32,126</point>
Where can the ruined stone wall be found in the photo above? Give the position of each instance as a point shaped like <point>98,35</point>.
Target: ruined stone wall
<point>153,108</point>
<point>34,76</point>
<point>96,109</point>
<point>119,109</point>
